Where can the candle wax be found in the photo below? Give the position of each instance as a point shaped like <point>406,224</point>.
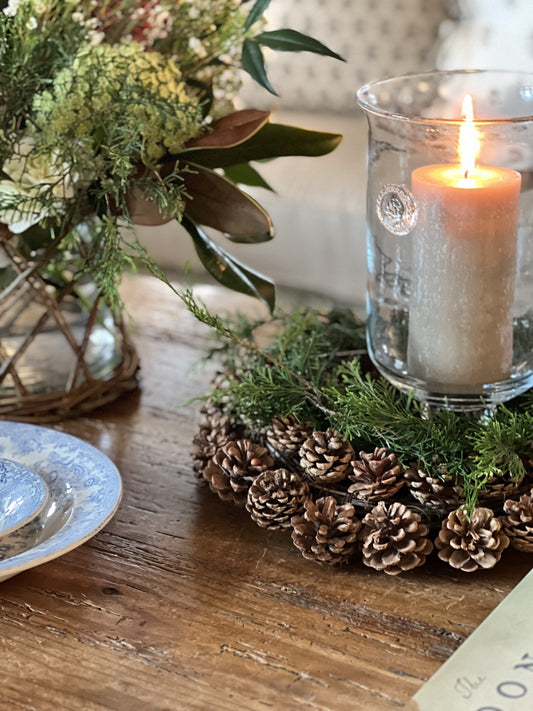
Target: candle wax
<point>461,308</point>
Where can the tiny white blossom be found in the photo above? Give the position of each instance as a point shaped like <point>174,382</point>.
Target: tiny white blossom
<point>12,8</point>
<point>96,38</point>
<point>32,23</point>
<point>198,48</point>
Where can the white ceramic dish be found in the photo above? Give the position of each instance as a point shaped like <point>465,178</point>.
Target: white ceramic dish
<point>84,492</point>
<point>23,494</point>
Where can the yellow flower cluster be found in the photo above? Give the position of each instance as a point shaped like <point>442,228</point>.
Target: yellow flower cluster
<point>119,99</point>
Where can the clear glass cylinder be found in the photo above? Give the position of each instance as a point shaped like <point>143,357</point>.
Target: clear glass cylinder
<point>450,235</point>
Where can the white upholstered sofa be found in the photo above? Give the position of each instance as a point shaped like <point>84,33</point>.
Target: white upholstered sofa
<point>319,205</point>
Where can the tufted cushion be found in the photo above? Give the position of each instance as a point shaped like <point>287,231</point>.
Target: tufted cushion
<point>378,38</point>
<point>488,35</point>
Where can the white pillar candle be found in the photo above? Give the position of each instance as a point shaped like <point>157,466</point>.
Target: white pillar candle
<point>461,308</point>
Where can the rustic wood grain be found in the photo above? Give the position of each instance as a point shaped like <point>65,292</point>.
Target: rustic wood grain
<point>182,602</point>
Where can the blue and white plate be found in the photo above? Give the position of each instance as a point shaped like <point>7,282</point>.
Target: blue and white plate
<point>23,494</point>
<point>84,492</point>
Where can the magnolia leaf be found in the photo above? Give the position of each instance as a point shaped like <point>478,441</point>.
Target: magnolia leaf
<point>228,271</point>
<point>252,61</point>
<point>231,130</point>
<point>294,41</point>
<point>216,202</point>
<point>145,211</point>
<point>245,174</point>
<point>273,140</point>
<point>256,12</point>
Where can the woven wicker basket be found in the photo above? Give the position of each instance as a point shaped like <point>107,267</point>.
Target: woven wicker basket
<point>62,352</point>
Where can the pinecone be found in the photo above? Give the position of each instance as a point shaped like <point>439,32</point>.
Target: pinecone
<point>215,430</point>
<point>518,524</point>
<point>233,468</point>
<point>394,538</point>
<point>498,488</point>
<point>376,476</point>
<point>327,531</point>
<point>326,456</point>
<point>471,544</point>
<point>437,490</point>
<point>220,384</point>
<point>275,496</point>
<point>286,435</point>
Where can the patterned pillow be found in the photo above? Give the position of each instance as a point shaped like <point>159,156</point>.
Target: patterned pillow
<point>488,35</point>
<point>378,38</point>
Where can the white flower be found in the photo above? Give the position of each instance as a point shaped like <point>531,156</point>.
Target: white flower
<point>32,23</point>
<point>198,48</point>
<point>22,199</point>
<point>12,8</point>
<point>96,38</point>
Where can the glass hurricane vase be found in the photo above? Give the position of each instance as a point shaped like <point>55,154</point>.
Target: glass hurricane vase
<point>450,234</point>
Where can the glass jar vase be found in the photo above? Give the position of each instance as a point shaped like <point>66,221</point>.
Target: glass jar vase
<point>63,351</point>
<point>450,234</point>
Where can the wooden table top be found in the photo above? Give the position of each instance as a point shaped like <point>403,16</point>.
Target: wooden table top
<point>182,603</point>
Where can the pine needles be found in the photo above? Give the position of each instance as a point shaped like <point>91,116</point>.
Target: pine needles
<point>315,367</point>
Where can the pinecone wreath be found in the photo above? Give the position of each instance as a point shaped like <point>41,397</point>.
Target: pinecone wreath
<point>286,435</point>
<point>437,490</point>
<point>233,468</point>
<point>497,488</point>
<point>394,538</point>
<point>376,476</point>
<point>275,496</point>
<point>327,531</point>
<point>326,457</point>
<point>215,430</point>
<point>470,544</point>
<point>518,523</point>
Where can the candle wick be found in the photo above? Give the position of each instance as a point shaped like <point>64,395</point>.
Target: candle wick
<point>466,173</point>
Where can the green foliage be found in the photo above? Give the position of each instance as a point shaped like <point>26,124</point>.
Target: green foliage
<point>315,367</point>
<point>281,40</point>
<point>122,113</point>
<point>228,271</point>
<point>245,174</point>
<point>273,140</point>
<point>253,63</point>
<point>294,41</point>
<point>256,12</point>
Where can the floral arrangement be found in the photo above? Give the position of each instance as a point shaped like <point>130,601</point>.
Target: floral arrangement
<point>121,113</point>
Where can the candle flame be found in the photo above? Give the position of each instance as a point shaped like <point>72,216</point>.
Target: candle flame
<point>468,137</point>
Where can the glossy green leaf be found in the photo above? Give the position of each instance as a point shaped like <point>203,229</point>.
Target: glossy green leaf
<point>228,271</point>
<point>230,130</point>
<point>273,140</point>
<point>256,12</point>
<point>294,41</point>
<point>253,63</point>
<point>245,174</point>
<point>216,202</point>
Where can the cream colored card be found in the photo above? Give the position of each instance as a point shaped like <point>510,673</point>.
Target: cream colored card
<point>493,669</point>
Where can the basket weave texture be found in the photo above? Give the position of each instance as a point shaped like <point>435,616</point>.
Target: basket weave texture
<point>32,313</point>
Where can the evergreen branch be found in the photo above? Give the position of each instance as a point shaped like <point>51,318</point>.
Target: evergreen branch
<point>287,376</point>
